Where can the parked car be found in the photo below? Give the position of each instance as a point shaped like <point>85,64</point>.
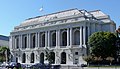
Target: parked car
<point>5,64</point>
<point>14,64</point>
<point>83,65</point>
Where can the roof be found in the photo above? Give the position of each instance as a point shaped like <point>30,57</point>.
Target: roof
<point>97,14</point>
<point>6,38</point>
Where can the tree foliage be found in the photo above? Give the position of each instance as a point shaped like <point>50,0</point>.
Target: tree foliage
<point>3,52</point>
<point>102,44</point>
<point>49,56</point>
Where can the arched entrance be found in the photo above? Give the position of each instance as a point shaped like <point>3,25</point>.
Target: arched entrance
<point>63,58</point>
<point>32,58</point>
<point>42,58</point>
<point>23,58</point>
<point>52,56</point>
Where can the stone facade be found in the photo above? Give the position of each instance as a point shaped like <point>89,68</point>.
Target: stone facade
<point>64,34</point>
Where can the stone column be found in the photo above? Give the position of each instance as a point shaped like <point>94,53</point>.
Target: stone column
<point>84,35</point>
<point>88,31</point>
<point>70,36</point>
<point>13,42</point>
<point>46,39</point>
<point>38,39</point>
<point>58,36</point>
<point>81,36</point>
<point>21,41</point>
<point>27,40</point>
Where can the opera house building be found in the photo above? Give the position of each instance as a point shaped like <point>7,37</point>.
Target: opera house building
<point>63,34</point>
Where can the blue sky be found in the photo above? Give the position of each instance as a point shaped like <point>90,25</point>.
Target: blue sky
<point>13,12</point>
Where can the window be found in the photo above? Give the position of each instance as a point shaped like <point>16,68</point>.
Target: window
<point>63,58</point>
<point>42,58</point>
<point>77,37</point>
<point>64,38</point>
<point>76,53</point>
<point>17,42</point>
<point>76,61</point>
<point>32,58</point>
<point>53,39</point>
<point>23,58</point>
<point>43,40</point>
<point>33,41</point>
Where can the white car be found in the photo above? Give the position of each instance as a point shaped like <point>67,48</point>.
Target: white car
<point>4,64</point>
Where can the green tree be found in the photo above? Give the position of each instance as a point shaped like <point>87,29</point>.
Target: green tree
<point>49,56</point>
<point>102,44</point>
<point>3,52</point>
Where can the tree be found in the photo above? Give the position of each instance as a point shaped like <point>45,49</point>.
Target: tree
<point>3,52</point>
<point>102,44</point>
<point>49,55</point>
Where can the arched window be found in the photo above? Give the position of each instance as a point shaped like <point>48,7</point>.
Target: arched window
<point>43,40</point>
<point>23,58</point>
<point>77,37</point>
<point>33,41</point>
<point>32,58</point>
<point>42,58</point>
<point>25,40</point>
<point>52,56</point>
<point>64,38</point>
<point>63,58</point>
<point>53,39</point>
<point>16,59</point>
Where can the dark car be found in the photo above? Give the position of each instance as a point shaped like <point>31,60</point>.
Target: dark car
<point>83,65</point>
<point>14,65</point>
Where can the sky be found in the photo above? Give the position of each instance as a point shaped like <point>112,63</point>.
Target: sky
<point>13,12</point>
